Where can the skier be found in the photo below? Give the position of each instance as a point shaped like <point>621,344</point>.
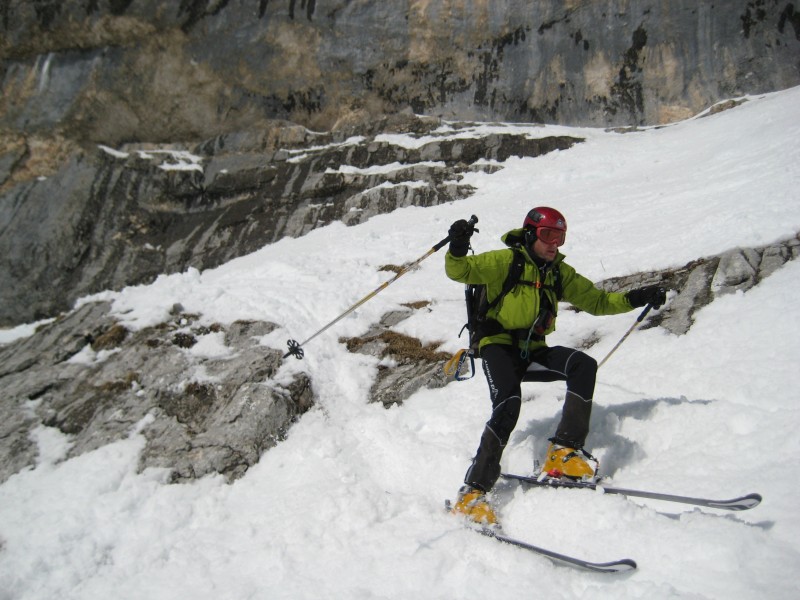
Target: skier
<point>513,347</point>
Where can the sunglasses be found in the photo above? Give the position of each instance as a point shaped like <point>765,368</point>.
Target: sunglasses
<point>551,236</point>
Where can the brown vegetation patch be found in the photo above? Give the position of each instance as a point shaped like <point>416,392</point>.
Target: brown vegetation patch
<point>184,340</point>
<point>36,156</point>
<point>112,338</point>
<point>417,305</point>
<point>120,385</point>
<point>391,268</point>
<point>723,106</point>
<point>191,406</point>
<point>401,347</point>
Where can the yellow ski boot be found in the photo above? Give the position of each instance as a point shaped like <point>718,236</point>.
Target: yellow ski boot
<point>562,461</point>
<point>472,503</point>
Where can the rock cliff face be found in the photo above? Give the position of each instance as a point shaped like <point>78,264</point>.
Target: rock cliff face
<point>207,110</point>
<point>118,71</point>
<point>110,218</point>
<point>202,411</point>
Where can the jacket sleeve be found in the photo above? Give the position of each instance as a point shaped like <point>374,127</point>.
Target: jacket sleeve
<point>582,293</point>
<point>489,267</point>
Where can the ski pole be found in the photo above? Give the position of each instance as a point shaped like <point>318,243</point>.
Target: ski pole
<point>296,348</point>
<point>639,319</point>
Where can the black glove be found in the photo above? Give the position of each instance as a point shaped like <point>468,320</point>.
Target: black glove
<point>459,234</point>
<point>651,294</point>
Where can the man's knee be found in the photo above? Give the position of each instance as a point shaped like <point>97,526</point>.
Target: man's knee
<point>583,363</point>
<point>581,374</point>
<point>504,417</point>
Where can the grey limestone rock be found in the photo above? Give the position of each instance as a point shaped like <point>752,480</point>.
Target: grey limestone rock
<point>87,376</point>
<point>109,218</point>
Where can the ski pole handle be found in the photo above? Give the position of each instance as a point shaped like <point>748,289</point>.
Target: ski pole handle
<point>472,221</point>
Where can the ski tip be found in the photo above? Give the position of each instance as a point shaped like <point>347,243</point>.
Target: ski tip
<point>753,499</point>
<point>620,566</point>
<point>743,503</point>
<point>624,565</point>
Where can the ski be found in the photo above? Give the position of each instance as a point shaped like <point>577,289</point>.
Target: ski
<point>736,504</point>
<point>616,566</point>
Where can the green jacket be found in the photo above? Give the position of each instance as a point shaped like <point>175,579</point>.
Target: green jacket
<point>520,307</point>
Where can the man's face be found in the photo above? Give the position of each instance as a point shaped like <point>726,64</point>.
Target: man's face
<point>545,251</point>
<point>548,239</point>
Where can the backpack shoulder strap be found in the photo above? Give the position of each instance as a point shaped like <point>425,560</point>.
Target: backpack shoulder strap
<point>515,270</point>
<point>558,286</point>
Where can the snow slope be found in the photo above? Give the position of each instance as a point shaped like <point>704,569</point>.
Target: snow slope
<point>350,505</point>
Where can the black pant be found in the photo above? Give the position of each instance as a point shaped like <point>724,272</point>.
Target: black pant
<point>505,370</point>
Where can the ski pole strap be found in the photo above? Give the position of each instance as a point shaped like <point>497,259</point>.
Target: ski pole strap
<point>467,354</point>
<point>455,366</point>
<point>451,366</point>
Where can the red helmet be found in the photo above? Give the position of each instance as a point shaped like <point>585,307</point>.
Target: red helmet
<point>547,224</point>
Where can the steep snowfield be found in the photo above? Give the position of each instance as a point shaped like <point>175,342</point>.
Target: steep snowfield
<point>351,504</point>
